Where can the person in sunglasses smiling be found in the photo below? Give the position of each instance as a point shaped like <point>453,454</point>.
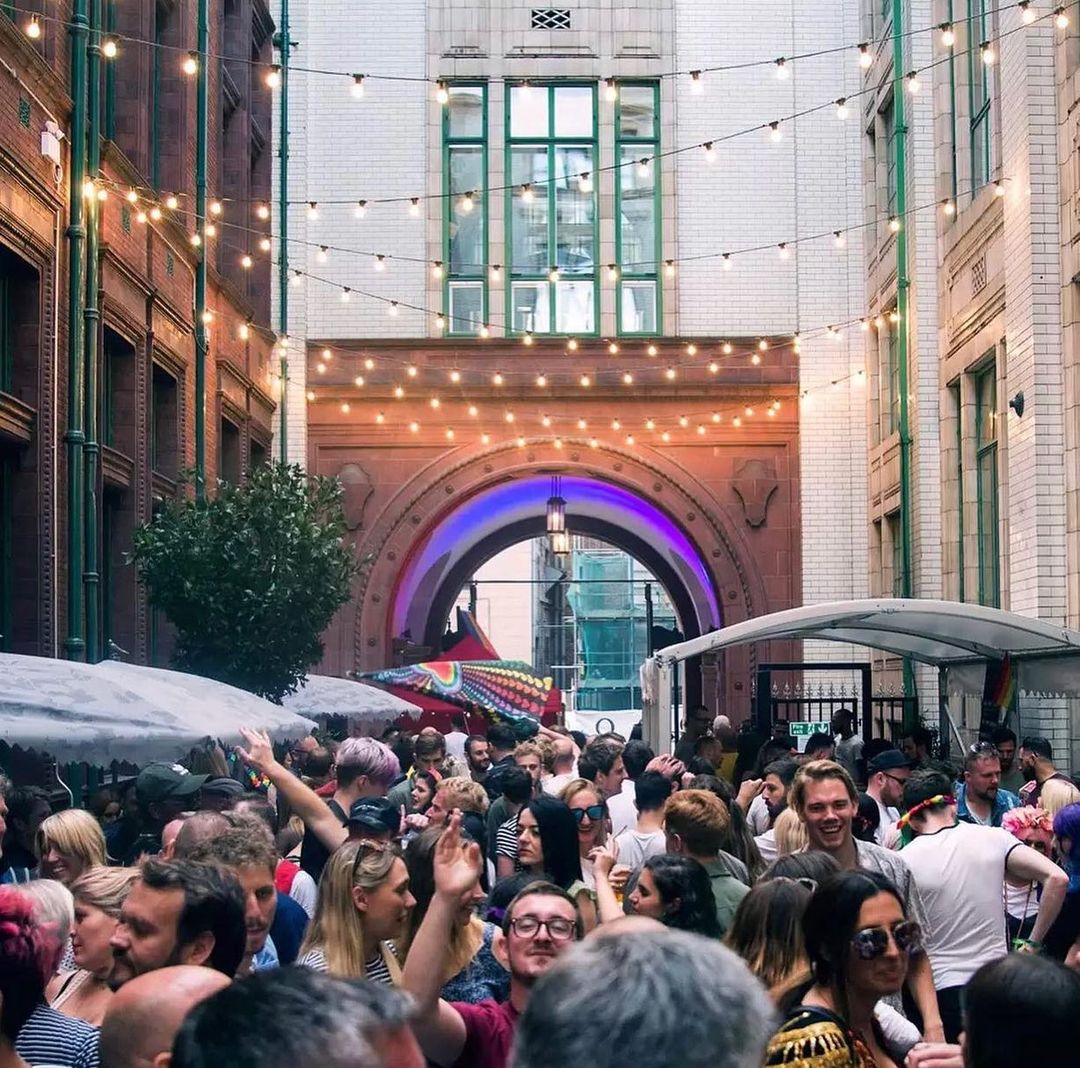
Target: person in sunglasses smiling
<point>859,943</point>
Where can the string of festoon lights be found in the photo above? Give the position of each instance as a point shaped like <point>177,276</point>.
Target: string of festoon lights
<point>466,200</point>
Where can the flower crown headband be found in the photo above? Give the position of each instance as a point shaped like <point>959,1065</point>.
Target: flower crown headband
<point>930,802</point>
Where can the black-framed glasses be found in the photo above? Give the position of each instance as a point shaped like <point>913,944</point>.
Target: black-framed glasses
<point>594,812</point>
<point>895,778</point>
<point>873,942</point>
<point>558,928</point>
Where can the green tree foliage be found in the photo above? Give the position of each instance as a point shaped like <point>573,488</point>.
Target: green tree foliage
<point>251,577</point>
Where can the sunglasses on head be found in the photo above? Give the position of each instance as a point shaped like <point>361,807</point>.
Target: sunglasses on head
<point>873,942</point>
<point>594,812</point>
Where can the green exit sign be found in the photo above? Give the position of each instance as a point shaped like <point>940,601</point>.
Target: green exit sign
<point>800,729</point>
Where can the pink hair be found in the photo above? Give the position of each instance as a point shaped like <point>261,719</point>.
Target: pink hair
<point>1026,818</point>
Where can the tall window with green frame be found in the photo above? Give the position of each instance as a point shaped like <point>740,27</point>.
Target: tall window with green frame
<point>986,485</point>
<point>637,207</point>
<point>465,296</point>
<point>979,75</point>
<point>551,209</point>
<point>892,381</point>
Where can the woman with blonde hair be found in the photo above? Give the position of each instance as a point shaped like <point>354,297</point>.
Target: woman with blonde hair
<point>591,815</point>
<point>68,843</point>
<point>473,974</point>
<point>790,833</point>
<point>84,992</point>
<point>1056,794</point>
<point>364,904</point>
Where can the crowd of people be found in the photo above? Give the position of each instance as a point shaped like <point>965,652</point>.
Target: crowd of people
<point>488,901</point>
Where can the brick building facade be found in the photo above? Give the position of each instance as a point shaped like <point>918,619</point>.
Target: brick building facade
<point>145,369</point>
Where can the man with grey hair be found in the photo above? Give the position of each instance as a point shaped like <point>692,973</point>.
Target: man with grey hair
<point>683,1002</point>
<point>293,1017</point>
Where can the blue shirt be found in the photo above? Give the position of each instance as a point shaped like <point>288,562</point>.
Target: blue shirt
<point>1002,803</point>
<point>288,929</point>
<point>49,1037</point>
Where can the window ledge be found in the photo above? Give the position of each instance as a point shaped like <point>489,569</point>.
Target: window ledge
<point>16,420</point>
<point>117,469</point>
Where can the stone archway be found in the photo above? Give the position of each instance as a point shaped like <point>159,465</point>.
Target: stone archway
<point>729,563</point>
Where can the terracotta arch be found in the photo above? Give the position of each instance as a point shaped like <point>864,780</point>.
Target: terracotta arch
<point>455,477</point>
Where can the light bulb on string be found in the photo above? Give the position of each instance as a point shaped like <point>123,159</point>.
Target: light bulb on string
<point>485,439</point>
<point>736,421</point>
<point>783,72</point>
<point>273,76</point>
<point>310,395</point>
<point>842,111</point>
<point>584,381</point>
<point>948,206</point>
<point>612,272</point>
<point>1028,14</point>
<point>399,392</point>
<point>296,279</point>
<point>652,350</point>
<point>442,93</point>
<point>715,417</point>
<point>545,420</point>
<point>508,417</point>
<point>775,133</point>
<point>246,262</point>
<point>714,367</point>
<point>629,439</point>
<point>473,411</point>
<point>553,274</point>
<point>1061,19</point>
<point>379,262</point>
<point>414,427</point>
<point>497,379</point>
<point>449,433</point>
<point>190,65</point>
<point>669,268</point>
<point>527,192</point>
<point>593,443</point>
<point>691,349</point>
<point>784,251</point>
<point>392,310</point>
<point>244,331</point>
<point>361,209</point>
<point>103,194</point>
<point>615,424</point>
<point>455,376</point>
<point>700,429</point>
<point>172,202</point>
<point>526,338</point>
<point>541,381</point>
<point>484,330</point>
<point>572,344</point>
<point>866,58</point>
<point>109,48</point>
<point>210,230</point>
<point>838,238</point>
<point>613,348</point>
<point>725,261</point>
<point>435,403</point>
<point>665,436</point>
<point>140,217</point>
<point>357,88</point>
<point>987,53</point>
<point>585,182</point>
<point>520,442</point>
<point>195,240</point>
<point>412,370</point>
<point>912,82</point>
<point>684,422</point>
<point>755,359</point>
<point>999,189</point>
<point>697,82</point>
<point>763,345</point>
<point>948,35</point>
<point>345,408</point>
<point>345,294</point>
<point>710,152</point>
<point>327,355</point>
<point>496,272</point>
<point>643,166</point>
<point>380,418</point>
<point>628,378</point>
<point>727,348</point>
<point>466,204</point>
<point>437,269</point>
<point>611,90</point>
<point>358,381</point>
<point>671,374</point>
<point>132,197</point>
<point>414,206</point>
<point>155,213</point>
<point>33,28</point>
<point>321,254</point>
<point>262,212</point>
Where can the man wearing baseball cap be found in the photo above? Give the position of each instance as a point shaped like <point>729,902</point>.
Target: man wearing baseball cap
<point>163,792</point>
<point>885,778</point>
<point>375,819</point>
<point>220,793</point>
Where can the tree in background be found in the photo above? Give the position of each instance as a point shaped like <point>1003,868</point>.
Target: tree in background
<point>251,577</point>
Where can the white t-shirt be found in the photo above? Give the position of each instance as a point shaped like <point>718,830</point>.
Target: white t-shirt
<point>304,892</point>
<point>621,808</point>
<point>849,753</point>
<point>766,844</point>
<point>455,744</point>
<point>960,872</point>
<point>635,848</point>
<point>758,815</point>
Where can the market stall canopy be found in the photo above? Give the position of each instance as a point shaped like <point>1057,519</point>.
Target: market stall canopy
<point>503,689</point>
<point>325,695</point>
<point>947,634</point>
<point>101,713</point>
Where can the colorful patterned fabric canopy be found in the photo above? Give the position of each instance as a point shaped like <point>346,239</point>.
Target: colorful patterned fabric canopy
<point>502,689</point>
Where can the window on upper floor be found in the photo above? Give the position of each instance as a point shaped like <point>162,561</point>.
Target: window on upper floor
<point>888,121</point>
<point>980,93</point>
<point>986,484</point>
<point>637,208</point>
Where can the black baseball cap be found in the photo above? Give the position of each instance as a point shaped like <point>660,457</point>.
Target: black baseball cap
<point>223,786</point>
<point>377,814</point>
<point>160,782</point>
<point>889,760</point>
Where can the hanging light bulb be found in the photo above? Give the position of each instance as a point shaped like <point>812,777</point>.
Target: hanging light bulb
<point>296,278</point>
<point>1061,19</point>
<point>526,338</point>
<point>714,367</point>
<point>912,82</point>
<point>710,152</point>
<point>379,263</point>
<point>195,240</point>
<point>466,203</point>
<point>327,355</point>
<point>629,439</point>
<point>572,344</point>
<point>697,82</point>
<point>437,269</point>
<point>612,272</point>
<point>894,224</point>
<point>345,291</point>
<point>244,331</point>
<point>412,370</point>
<point>727,348</point>
<point>132,197</point>
<point>263,211</point>
<point>987,53</point>
<point>435,403</point>
<point>140,217</point>
<point>321,254</point>
<point>520,442</point>
<point>948,206</point>
<point>615,424</point>
<point>345,408</point>
<point>842,108</point>
<point>527,192</point>
<point>442,93</point>
<point>473,411</point>
<point>496,272</point>
<point>669,268</point>
<point>357,88</point>
<point>369,364</point>
<point>948,36</point>
<point>613,348</point>
<point>155,213</point>
<point>273,76</point>
<point>485,439</point>
<point>313,209</point>
<point>109,48</point>
<point>628,378</point>
<point>736,421</point>
<point>553,274</point>
<point>838,238</point>
<point>392,310</point>
<point>715,417</point>
<point>665,436</point>
<point>585,182</point>
<point>541,381</point>
<point>497,379</point>
<point>775,133</point>
<point>310,395</point>
<point>593,443</point>
<point>380,418</point>
<point>483,330</point>
<point>361,209</point>
<point>545,421</point>
<point>783,72</point>
<point>414,206</point>
<point>246,262</point>
<point>652,350</point>
<point>763,345</point>
<point>585,381</point>
<point>210,230</point>
<point>785,252</point>
<point>509,417</point>
<point>671,374</point>
<point>611,90</point>
<point>755,360</point>
<point>999,189</point>
<point>191,64</point>
<point>684,422</point>
<point>691,349</point>
<point>358,381</point>
<point>866,58</point>
<point>643,166</point>
<point>1027,13</point>
<point>33,28</point>
<point>414,427</point>
<point>399,392</point>
<point>726,261</point>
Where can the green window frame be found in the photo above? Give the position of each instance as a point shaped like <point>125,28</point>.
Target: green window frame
<point>953,178</point>
<point>979,94</point>
<point>896,548</point>
<point>986,485</point>
<point>638,270</point>
<point>565,205</point>
<point>957,409</point>
<point>888,119</point>
<point>892,348</point>
<point>465,280</point>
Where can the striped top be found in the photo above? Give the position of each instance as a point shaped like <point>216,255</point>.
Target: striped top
<point>506,839</point>
<point>50,1037</point>
<point>375,969</point>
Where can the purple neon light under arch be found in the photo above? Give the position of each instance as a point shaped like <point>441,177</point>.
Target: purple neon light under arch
<point>510,501</point>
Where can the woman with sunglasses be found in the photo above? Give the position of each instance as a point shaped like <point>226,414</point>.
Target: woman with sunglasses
<point>548,844</point>
<point>591,814</point>
<point>364,904</point>
<point>858,943</point>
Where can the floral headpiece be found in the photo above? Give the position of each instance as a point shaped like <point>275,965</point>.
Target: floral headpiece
<point>930,802</point>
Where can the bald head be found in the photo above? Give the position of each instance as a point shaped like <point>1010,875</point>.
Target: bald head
<point>625,925</point>
<point>146,1012</point>
<point>199,828</point>
<point>168,838</point>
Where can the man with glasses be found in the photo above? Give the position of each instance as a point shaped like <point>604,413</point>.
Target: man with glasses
<point>959,870</point>
<point>540,924</point>
<point>885,778</point>
<point>980,798</point>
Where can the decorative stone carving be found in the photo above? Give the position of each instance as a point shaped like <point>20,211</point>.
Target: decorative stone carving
<point>755,483</point>
<point>358,491</point>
